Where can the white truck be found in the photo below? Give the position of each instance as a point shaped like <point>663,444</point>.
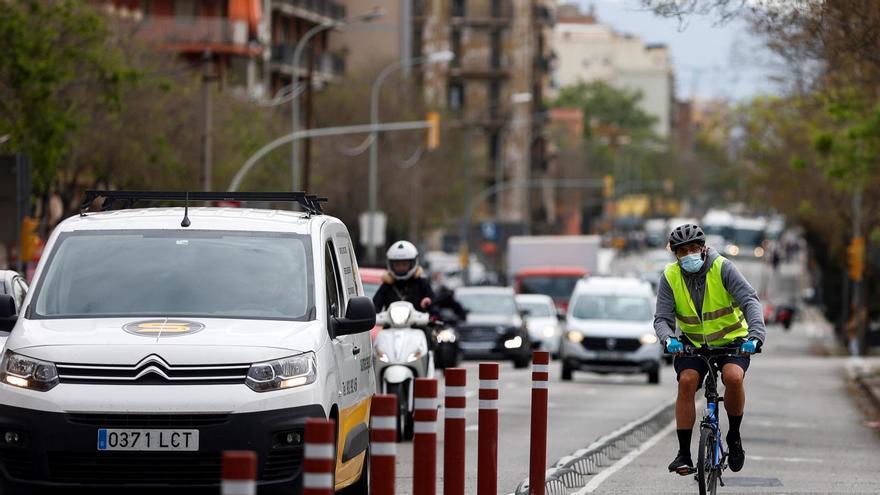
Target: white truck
<point>551,265</point>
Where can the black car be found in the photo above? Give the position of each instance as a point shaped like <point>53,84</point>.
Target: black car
<point>495,327</point>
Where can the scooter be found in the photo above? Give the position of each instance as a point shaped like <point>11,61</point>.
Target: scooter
<point>447,352</point>
<point>402,355</point>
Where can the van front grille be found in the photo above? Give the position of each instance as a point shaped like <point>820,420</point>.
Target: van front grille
<point>152,370</point>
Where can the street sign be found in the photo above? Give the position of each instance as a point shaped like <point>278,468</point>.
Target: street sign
<point>489,230</point>
<point>372,235</point>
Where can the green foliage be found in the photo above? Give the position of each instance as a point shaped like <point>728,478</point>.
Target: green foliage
<point>607,106</point>
<point>52,49</point>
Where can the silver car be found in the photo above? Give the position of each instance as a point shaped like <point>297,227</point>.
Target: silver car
<point>542,321</point>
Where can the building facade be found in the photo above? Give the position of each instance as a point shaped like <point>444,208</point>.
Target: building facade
<point>588,50</point>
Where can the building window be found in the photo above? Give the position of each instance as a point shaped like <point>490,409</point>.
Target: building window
<point>497,8</point>
<point>455,41</point>
<point>185,10</point>
<point>458,8</point>
<point>456,95</point>
<point>494,97</point>
<point>495,50</point>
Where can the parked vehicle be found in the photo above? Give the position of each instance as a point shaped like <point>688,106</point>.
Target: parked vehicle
<point>542,320</point>
<point>155,339</point>
<point>610,329</point>
<point>551,265</point>
<point>13,288</point>
<point>748,237</point>
<point>495,327</point>
<point>402,355</point>
<point>371,278</point>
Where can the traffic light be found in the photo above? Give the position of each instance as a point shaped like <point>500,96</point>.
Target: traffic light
<point>30,240</point>
<point>608,189</point>
<point>433,138</point>
<point>856,258</point>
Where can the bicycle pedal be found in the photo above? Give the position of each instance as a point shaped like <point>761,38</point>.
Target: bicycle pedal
<point>685,471</point>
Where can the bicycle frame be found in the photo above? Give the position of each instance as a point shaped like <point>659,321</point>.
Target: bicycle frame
<point>710,414</point>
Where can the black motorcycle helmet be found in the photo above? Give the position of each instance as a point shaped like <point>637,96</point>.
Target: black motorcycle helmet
<point>686,234</point>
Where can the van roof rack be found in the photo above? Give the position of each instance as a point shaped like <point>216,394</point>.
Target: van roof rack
<point>311,203</point>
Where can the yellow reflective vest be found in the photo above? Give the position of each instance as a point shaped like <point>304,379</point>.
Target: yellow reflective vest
<point>719,321</point>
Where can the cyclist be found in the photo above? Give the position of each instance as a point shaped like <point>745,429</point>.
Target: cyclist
<point>729,310</point>
<point>404,280</point>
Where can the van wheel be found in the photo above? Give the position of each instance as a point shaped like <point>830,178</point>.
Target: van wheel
<point>567,372</point>
<point>362,486</point>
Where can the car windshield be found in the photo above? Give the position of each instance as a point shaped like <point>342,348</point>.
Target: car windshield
<point>537,309</point>
<point>628,308</point>
<point>556,287</point>
<point>178,273</point>
<point>370,289</point>
<point>724,231</point>
<point>487,304</point>
<point>749,237</point>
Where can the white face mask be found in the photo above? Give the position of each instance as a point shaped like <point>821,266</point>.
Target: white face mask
<point>692,262</point>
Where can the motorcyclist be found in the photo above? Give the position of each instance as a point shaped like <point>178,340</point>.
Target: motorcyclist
<point>404,280</point>
<point>729,310</point>
<point>446,300</point>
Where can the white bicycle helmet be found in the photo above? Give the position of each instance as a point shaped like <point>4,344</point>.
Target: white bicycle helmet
<point>402,259</point>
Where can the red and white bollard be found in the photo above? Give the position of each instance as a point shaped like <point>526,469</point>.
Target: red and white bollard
<point>454,431</point>
<point>538,434</point>
<point>487,438</point>
<point>319,462</point>
<point>239,473</point>
<point>425,437</point>
<point>383,444</point>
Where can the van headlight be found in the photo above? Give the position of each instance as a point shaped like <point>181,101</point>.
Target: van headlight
<point>575,337</point>
<point>25,372</point>
<point>648,338</point>
<point>289,372</point>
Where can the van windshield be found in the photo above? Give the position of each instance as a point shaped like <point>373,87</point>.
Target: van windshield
<point>213,274</point>
<point>558,287</point>
<point>627,308</point>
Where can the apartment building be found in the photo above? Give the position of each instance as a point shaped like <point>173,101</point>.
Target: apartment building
<point>588,50</point>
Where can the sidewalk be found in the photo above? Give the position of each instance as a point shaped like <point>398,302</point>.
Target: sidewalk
<point>802,431</point>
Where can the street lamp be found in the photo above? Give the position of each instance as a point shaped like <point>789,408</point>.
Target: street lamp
<point>432,58</point>
<point>297,54</point>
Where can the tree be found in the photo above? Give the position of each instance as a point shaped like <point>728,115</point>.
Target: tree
<point>605,106</point>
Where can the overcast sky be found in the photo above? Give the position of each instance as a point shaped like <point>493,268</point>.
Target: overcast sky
<point>714,61</point>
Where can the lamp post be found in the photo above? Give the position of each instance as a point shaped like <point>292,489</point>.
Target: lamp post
<point>373,182</point>
<point>297,55</point>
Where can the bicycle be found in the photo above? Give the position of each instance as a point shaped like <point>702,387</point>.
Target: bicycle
<point>711,456</point>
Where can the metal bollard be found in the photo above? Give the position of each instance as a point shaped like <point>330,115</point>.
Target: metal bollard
<point>487,438</point>
<point>319,461</point>
<point>425,438</point>
<point>383,444</point>
<point>538,434</point>
<point>239,473</point>
<point>454,440</point>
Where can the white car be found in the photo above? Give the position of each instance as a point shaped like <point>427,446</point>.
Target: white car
<point>610,329</point>
<point>542,321</point>
<point>155,339</point>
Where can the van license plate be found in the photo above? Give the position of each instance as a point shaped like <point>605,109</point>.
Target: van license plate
<point>148,440</point>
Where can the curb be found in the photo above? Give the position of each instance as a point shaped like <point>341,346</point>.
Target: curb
<point>573,471</point>
<point>866,376</point>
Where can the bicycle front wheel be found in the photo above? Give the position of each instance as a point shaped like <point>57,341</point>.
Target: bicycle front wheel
<point>707,472</point>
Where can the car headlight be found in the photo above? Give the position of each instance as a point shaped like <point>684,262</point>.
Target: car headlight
<point>575,337</point>
<point>382,356</point>
<point>759,252</point>
<point>648,338</point>
<point>549,331</point>
<point>446,335</point>
<point>25,372</point>
<point>293,371</point>
<point>399,315</point>
<point>733,250</point>
<point>513,343</point>
<point>414,356</point>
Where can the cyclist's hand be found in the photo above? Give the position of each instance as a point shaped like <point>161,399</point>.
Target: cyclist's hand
<point>749,347</point>
<point>674,346</point>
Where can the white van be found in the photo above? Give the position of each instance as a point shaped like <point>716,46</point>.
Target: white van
<point>610,329</point>
<point>155,339</point>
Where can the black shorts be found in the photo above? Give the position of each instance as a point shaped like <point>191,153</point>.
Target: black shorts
<point>699,365</point>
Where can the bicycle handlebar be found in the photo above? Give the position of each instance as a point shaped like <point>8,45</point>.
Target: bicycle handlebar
<point>732,349</point>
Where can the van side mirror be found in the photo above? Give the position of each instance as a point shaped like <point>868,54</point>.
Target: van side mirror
<point>8,315</point>
<point>360,316</point>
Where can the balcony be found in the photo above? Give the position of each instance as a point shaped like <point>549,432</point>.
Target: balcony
<point>328,66</point>
<point>317,11</point>
<point>192,34</point>
<point>544,16</point>
<point>497,15</point>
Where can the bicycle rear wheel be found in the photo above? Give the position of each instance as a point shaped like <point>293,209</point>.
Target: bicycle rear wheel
<point>707,473</point>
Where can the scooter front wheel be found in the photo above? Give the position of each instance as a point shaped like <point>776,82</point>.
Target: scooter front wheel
<point>404,420</point>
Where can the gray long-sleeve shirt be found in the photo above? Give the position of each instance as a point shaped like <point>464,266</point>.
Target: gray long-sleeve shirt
<point>735,284</point>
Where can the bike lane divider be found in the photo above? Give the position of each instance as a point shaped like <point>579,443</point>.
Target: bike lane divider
<point>538,430</point>
<point>383,444</point>
<point>454,438</point>
<point>319,459</point>
<point>487,433</point>
<point>425,437</point>
<point>239,474</point>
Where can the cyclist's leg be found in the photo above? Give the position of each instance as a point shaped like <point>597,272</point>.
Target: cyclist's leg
<point>691,372</point>
<point>732,374</point>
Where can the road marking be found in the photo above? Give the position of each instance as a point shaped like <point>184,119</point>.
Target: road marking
<point>472,428</point>
<point>785,459</point>
<point>617,466</point>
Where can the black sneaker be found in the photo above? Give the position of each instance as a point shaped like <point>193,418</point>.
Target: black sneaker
<point>682,464</point>
<point>737,456</point>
